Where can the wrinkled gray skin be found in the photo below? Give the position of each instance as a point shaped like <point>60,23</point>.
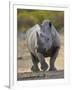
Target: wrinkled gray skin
<point>43,41</point>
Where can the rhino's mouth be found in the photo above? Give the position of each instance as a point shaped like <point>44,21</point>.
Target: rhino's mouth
<point>41,50</point>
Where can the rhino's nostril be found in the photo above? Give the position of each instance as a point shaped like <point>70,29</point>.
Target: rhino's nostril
<point>47,39</point>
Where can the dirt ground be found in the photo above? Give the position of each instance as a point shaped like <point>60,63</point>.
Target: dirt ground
<point>24,62</point>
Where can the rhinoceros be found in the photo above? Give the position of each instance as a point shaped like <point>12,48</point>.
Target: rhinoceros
<point>43,40</point>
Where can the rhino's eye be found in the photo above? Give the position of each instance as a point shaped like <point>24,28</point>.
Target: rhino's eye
<point>44,31</point>
<point>47,39</point>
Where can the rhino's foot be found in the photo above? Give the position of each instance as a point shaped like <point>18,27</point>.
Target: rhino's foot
<point>44,66</point>
<point>53,69</point>
<point>35,69</point>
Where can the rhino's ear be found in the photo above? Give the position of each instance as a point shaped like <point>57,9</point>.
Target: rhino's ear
<point>50,24</point>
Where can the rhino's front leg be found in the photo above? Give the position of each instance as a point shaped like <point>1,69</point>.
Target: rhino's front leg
<point>35,61</point>
<point>41,59</point>
<point>54,55</point>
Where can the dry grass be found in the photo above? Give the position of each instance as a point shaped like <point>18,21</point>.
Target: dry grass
<point>60,58</point>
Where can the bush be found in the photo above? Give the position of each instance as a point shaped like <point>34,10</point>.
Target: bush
<point>28,18</point>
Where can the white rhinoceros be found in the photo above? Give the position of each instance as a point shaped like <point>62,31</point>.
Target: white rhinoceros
<point>43,41</point>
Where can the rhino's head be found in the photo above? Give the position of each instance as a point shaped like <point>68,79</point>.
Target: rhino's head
<point>46,26</point>
<point>44,38</point>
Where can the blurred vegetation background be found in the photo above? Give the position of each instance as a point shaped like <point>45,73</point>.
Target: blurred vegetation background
<point>28,18</point>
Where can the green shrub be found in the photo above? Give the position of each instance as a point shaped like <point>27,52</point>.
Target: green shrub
<point>28,18</point>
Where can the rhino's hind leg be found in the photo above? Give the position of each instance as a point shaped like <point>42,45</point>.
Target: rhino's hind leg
<point>35,61</point>
<point>54,55</point>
